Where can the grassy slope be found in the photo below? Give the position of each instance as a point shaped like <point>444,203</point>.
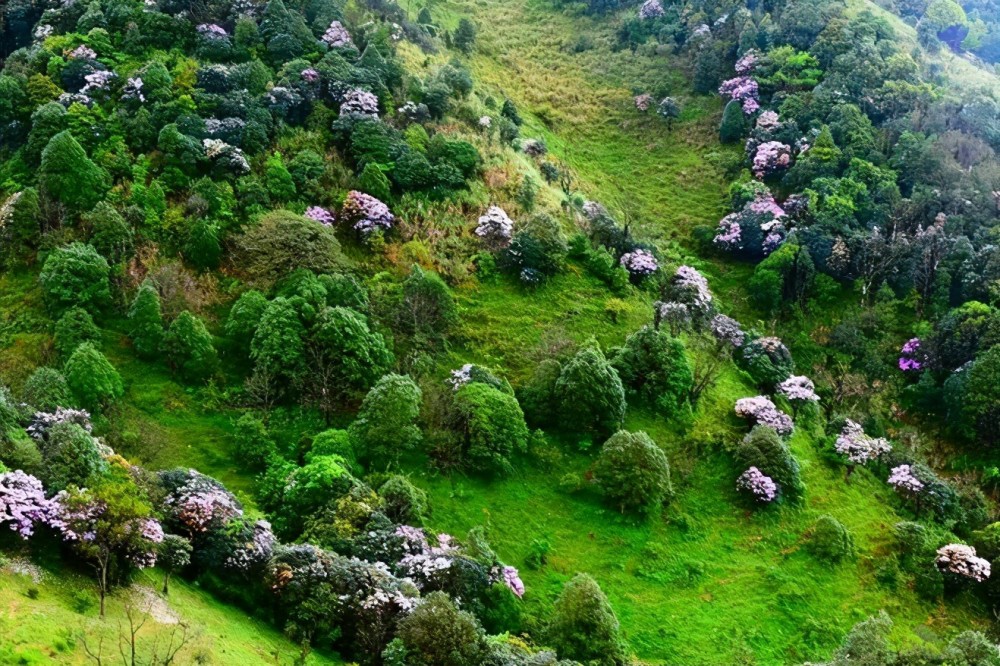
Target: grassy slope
<point>706,583</point>
<point>48,629</point>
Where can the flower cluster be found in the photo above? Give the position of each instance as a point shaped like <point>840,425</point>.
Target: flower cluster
<point>82,53</point>
<point>904,480</point>
<point>691,287</point>
<point>366,213</point>
<point>423,565</point>
<point>74,520</point>
<point>358,102</point>
<point>534,147</point>
<point>768,121</point>
<point>320,214</point>
<point>643,102</point>
<point>495,227</point>
<point>7,208</point>
<point>651,9</point>
<point>133,89</point>
<point>760,486</point>
<point>203,503</point>
<point>43,32</point>
<point>336,36</point>
<point>676,315</point>
<point>485,122</point>
<point>640,263</point>
<point>747,63</point>
<point>42,422</point>
<point>309,75</point>
<point>727,330</point>
<point>594,211</point>
<point>771,157</point>
<point>961,560</point>
<point>763,412</point>
<point>212,31</point>
<point>461,377</point>
<point>144,556</point>
<point>227,156</point>
<point>798,388</point>
<point>254,551</point>
<point>756,230</point>
<point>98,81</point>
<point>744,90</point>
<point>860,448</point>
<point>22,502</point>
<point>69,99</point>
<point>910,356</point>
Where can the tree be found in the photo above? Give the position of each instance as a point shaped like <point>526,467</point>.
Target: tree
<point>584,626</point>
<point>75,275</point>
<point>734,124</point>
<point>373,181</point>
<point>174,554</point>
<point>45,390</point>
<point>254,445</point>
<point>188,348</point>
<point>278,344</point>
<point>278,180</point>
<point>633,472</point>
<point>70,457</point>
<point>73,328</point>
<point>589,393</point>
<point>465,35</point>
<point>69,176</point>
<point>146,321</point>
<point>491,426</point>
<point>282,242</point>
<point>92,379</point>
<point>867,644</point>
<point>429,308</point>
<point>203,248</point>
<point>653,365</point>
<point>386,425</point>
<point>403,502</point>
<point>437,633</point>
<point>244,317</point>
<point>110,234</point>
<point>117,521</point>
<point>345,355</point>
<point>982,395</point>
<point>829,540</point>
<point>764,449</point>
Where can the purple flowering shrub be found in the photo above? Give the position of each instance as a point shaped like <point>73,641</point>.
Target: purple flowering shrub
<point>198,503</point>
<point>365,213</point>
<point>639,263</point>
<point>320,214</point>
<point>727,330</point>
<point>770,158</point>
<point>650,9</point>
<point>754,231</point>
<point>768,361</point>
<point>744,90</point>
<point>798,389</point>
<point>643,102</point>
<point>336,36</point>
<point>359,102</point>
<point>911,356</point>
<point>761,411</point>
<point>757,485</point>
<point>857,447</point>
<point>904,480</point>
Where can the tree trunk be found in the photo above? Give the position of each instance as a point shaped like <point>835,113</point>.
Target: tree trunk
<point>166,579</point>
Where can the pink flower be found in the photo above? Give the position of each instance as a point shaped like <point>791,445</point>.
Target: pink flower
<point>762,411</point>
<point>911,356</point>
<point>640,263</point>
<point>366,213</point>
<point>320,214</point>
<point>759,485</point>
<point>859,448</point>
<point>512,580</point>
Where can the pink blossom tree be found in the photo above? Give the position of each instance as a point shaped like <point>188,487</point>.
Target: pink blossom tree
<point>23,503</point>
<point>859,448</point>
<point>761,411</point>
<point>757,485</point>
<point>798,390</point>
<point>365,213</point>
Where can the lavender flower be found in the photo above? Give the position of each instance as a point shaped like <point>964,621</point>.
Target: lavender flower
<point>744,90</point>
<point>961,560</point>
<point>256,551</point>
<point>42,422</point>
<point>727,330</point>
<point>336,36</point>
<point>82,52</point>
<point>98,81</point>
<point>643,102</point>
<point>860,448</point>
<point>760,486</point>
<point>651,9</point>
<point>799,388</point>
<point>767,121</point>
<point>359,102</point>
<point>212,31</point>
<point>911,357</point>
<point>366,213</point>
<point>762,411</point>
<point>23,503</point>
<point>639,263</point>
<point>771,157</point>
<point>512,580</point>
<point>747,63</point>
<point>904,480</point>
<point>320,214</point>
<point>689,286</point>
<point>309,75</point>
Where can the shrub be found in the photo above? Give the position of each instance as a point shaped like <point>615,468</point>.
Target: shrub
<point>633,472</point>
<point>829,540</point>
<point>244,317</point>
<point>75,327</point>
<point>146,321</point>
<point>69,176</point>
<point>589,392</point>
<point>45,390</point>
<point>653,366</point>
<point>278,343</point>
<point>403,502</point>
<point>428,308</point>
<point>75,275</point>
<point>110,235</point>
<point>491,425</point>
<point>437,633</point>
<point>767,360</point>
<point>188,348</point>
<point>763,448</point>
<point>334,442</point>
<point>584,626</point>
<point>386,425</point>
<point>348,351</point>
<point>253,443</point>
<point>282,242</point>
<point>92,379</point>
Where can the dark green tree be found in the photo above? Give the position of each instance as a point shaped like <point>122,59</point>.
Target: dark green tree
<point>437,633</point>
<point>653,366</point>
<point>203,248</point>
<point>146,321</point>
<point>465,36</point>
<point>74,327</point>
<point>633,472</point>
<point>490,425</point>
<point>75,275</point>
<point>386,426</point>
<point>589,393</point>
<point>734,124</point>
<point>69,176</point>
<point>244,318</point>
<point>46,390</point>
<point>584,627</point>
<point>173,554</point>
<point>110,234</point>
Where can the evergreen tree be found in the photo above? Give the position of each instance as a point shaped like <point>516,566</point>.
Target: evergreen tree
<point>584,627</point>
<point>110,235</point>
<point>73,328</point>
<point>386,426</point>
<point>734,124</point>
<point>75,275</point>
<point>189,349</point>
<point>69,176</point>
<point>589,393</point>
<point>92,378</point>
<point>146,321</point>
<point>465,36</point>
<point>633,472</point>
<point>373,181</point>
<point>279,182</point>
<point>203,248</point>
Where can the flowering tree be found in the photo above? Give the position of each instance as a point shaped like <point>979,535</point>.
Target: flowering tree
<point>961,560</point>
<point>690,287</point>
<point>110,526</point>
<point>727,330</point>
<point>675,315</point>
<point>859,448</point>
<point>911,357</point>
<point>43,422</point>
<point>761,411</point>
<point>651,9</point>
<point>336,36</point>
<point>22,502</point>
<point>744,90</point>
<point>758,485</point>
<point>365,213</point>
<point>639,264</point>
<point>754,231</point>
<point>904,481</point>
<point>798,390</point>
<point>770,158</point>
<point>359,102</point>
<point>495,228</point>
<point>201,503</point>
<point>747,63</point>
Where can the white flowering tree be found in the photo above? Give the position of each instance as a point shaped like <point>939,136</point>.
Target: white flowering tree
<point>859,448</point>
<point>961,560</point>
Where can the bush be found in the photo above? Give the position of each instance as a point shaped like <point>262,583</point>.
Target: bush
<point>428,308</point>
<point>45,390</point>
<point>244,317</point>
<point>334,442</point>
<point>110,235</point>
<point>491,425</point>
<point>282,242</point>
<point>653,366</point>
<point>386,425</point>
<point>75,275</point>
<point>188,348</point>
<point>403,502</point>
<point>829,540</point>
<point>92,379</point>
<point>436,633</point>
<point>584,626</point>
<point>589,393</point>
<point>767,360</point>
<point>146,321</point>
<point>253,443</point>
<point>69,176</point>
<point>75,327</point>
<point>633,472</point>
<point>764,449</point>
